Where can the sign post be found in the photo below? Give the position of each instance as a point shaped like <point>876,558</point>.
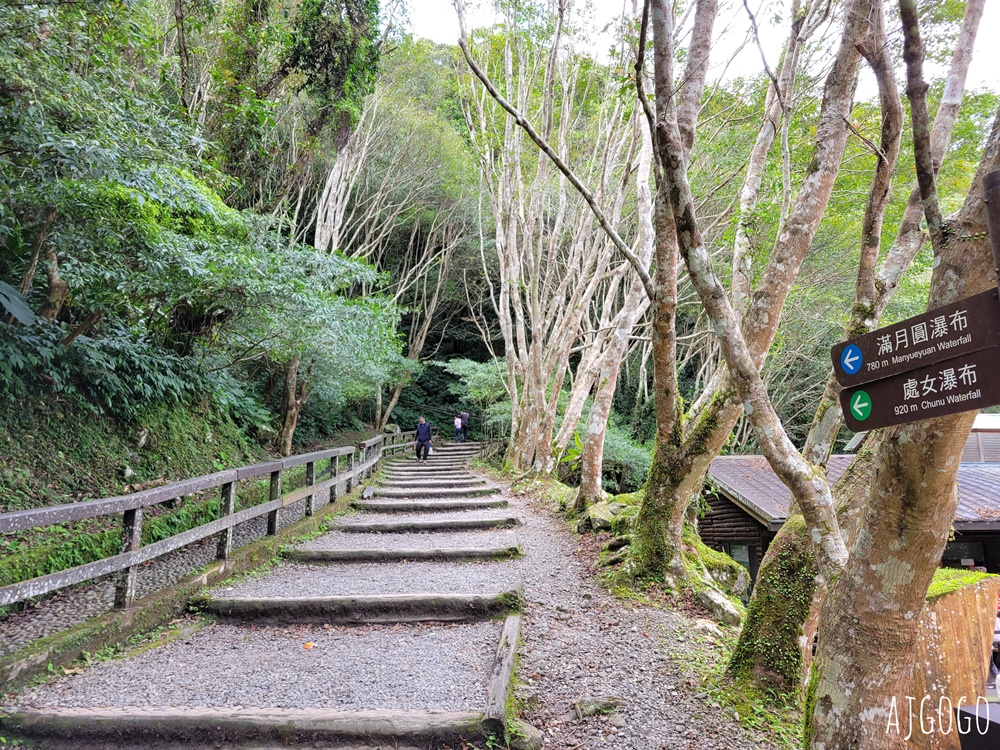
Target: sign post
<point>943,333</point>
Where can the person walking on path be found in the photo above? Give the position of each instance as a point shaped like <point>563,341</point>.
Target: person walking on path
<point>464,416</point>
<point>459,436</point>
<point>423,441</point>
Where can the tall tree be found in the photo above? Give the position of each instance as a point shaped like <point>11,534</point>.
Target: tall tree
<point>775,644</point>
<point>911,502</point>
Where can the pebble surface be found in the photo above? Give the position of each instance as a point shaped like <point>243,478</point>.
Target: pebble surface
<point>429,540</point>
<point>345,579</point>
<point>579,641</point>
<point>408,667</point>
<point>451,515</point>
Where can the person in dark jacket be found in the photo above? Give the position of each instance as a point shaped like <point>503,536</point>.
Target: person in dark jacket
<point>464,416</point>
<point>423,441</point>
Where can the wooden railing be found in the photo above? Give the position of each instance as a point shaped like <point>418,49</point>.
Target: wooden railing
<point>362,461</point>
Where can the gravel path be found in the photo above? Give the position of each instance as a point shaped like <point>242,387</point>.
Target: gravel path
<point>343,579</point>
<point>403,667</point>
<point>579,641</point>
<point>430,540</point>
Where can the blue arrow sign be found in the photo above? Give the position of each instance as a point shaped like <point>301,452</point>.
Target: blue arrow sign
<point>850,359</point>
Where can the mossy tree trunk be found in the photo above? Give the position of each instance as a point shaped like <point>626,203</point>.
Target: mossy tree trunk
<point>680,465</point>
<point>776,643</point>
<point>770,648</point>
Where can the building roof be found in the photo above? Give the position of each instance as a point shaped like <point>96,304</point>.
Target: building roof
<point>986,422</point>
<point>749,482</point>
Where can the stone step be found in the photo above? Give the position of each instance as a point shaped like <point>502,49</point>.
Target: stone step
<point>424,482</point>
<point>425,475</point>
<point>399,554</point>
<point>431,464</point>
<point>370,609</point>
<point>410,526</point>
<point>433,460</point>
<point>428,506</point>
<point>442,492</point>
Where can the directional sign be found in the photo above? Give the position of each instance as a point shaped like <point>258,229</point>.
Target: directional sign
<point>861,405</point>
<point>943,333</point>
<point>965,383</point>
<point>851,359</point>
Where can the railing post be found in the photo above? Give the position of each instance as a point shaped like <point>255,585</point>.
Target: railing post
<point>350,470</point>
<point>334,473</point>
<point>310,481</point>
<point>274,494</point>
<point>131,541</point>
<point>227,507</point>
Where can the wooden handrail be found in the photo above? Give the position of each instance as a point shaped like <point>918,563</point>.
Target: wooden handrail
<point>362,461</point>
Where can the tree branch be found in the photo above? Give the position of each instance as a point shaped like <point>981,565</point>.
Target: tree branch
<point>542,144</point>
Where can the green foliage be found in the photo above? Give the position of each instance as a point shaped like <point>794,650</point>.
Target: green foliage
<point>334,45</point>
<point>142,287</point>
<point>478,383</point>
<point>52,453</point>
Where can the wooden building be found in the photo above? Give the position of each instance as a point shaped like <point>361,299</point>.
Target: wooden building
<point>748,503</point>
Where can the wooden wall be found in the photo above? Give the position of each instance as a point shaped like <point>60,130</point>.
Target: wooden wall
<point>952,656</point>
<point>728,523</point>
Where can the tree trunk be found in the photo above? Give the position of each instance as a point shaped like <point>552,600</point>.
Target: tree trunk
<point>294,397</point>
<point>775,645</point>
<point>679,469</point>
<point>39,242</point>
<point>633,308</point>
<point>874,288</point>
<point>592,458</point>
<point>58,289</point>
<point>777,620</point>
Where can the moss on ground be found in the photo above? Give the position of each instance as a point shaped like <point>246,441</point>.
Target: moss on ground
<point>949,580</point>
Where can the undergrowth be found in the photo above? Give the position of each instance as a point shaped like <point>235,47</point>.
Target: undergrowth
<point>703,664</point>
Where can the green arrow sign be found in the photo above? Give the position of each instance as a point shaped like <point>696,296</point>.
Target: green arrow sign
<point>861,406</point>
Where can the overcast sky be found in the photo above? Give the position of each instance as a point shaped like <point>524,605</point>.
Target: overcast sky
<point>436,20</point>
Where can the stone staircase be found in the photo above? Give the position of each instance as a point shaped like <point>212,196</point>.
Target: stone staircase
<point>397,628</point>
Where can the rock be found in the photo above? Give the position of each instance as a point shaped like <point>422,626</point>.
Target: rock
<point>391,429</point>
<point>616,720</point>
<point>721,609</point>
<point>582,524</point>
<point>591,705</point>
<point>523,736</point>
<point>616,508</point>
<point>618,542</point>
<point>615,559</point>
<point>709,628</point>
<point>600,516</point>
<point>735,579</point>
